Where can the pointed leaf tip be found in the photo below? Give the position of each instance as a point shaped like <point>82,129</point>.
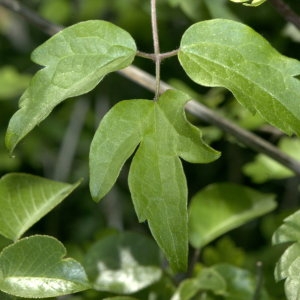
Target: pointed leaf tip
<point>25,199</point>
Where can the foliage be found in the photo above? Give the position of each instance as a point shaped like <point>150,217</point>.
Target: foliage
<point>140,148</point>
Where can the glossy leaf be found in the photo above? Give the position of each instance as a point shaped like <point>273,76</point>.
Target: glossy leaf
<point>75,60</point>
<point>222,207</point>
<point>118,263</point>
<point>156,178</point>
<point>34,267</point>
<point>232,55</point>
<point>25,199</point>
<point>288,265</point>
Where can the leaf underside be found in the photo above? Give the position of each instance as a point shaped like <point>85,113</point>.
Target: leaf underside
<point>156,179</point>
<point>232,55</point>
<point>75,59</point>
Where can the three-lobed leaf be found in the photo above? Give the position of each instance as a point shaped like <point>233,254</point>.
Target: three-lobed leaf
<point>232,55</point>
<point>34,267</point>
<point>156,178</point>
<point>25,199</point>
<point>75,60</point>
<point>221,207</point>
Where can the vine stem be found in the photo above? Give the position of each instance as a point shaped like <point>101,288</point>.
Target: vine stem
<point>286,11</point>
<point>156,47</point>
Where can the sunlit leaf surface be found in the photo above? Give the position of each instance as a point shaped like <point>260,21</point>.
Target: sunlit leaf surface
<point>34,267</point>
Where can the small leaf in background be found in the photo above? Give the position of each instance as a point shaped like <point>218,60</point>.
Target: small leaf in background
<point>123,263</point>
<point>232,55</point>
<point>12,82</point>
<point>25,199</point>
<point>250,2</point>
<point>207,280</point>
<point>241,284</point>
<point>224,251</point>
<point>34,267</point>
<point>75,59</point>
<point>264,168</point>
<point>222,207</point>
<point>156,179</point>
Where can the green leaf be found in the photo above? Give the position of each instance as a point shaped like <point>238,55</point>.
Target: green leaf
<point>156,178</point>
<point>223,251</point>
<point>75,60</point>
<point>222,207</point>
<point>25,199</point>
<point>288,266</point>
<point>241,284</point>
<point>232,55</point>
<point>119,263</point>
<point>289,231</point>
<point>34,267</point>
<point>252,3</point>
<point>116,138</point>
<point>207,280</point>
<point>264,168</point>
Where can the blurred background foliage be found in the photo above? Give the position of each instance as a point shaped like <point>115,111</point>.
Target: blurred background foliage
<point>58,148</point>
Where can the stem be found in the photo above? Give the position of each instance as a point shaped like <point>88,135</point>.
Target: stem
<point>31,16</point>
<point>286,11</point>
<point>156,47</point>
<point>259,281</point>
<point>153,56</point>
<point>70,141</point>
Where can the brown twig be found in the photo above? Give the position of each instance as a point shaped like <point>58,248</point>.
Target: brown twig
<point>31,16</point>
<point>156,47</point>
<point>286,11</point>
